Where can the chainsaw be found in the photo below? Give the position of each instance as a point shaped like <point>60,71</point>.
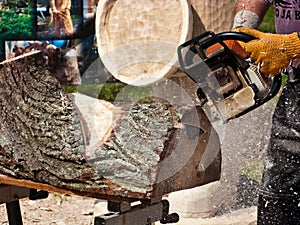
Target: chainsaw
<point>229,83</point>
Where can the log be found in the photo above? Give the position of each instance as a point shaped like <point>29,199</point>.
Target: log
<point>85,145</point>
<point>137,40</point>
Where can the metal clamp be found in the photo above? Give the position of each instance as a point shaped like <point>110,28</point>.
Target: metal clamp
<point>147,212</point>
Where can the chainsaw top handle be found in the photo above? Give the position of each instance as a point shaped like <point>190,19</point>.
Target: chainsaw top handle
<point>215,38</point>
<point>208,39</point>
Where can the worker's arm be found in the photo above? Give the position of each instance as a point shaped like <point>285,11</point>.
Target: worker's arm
<point>271,52</point>
<point>250,13</point>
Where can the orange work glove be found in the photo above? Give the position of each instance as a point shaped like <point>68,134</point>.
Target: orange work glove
<point>271,52</point>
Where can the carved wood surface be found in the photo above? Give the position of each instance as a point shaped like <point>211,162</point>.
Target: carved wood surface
<point>212,15</point>
<point>137,40</point>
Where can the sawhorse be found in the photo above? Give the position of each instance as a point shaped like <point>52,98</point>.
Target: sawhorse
<point>145,213</point>
<point>10,195</point>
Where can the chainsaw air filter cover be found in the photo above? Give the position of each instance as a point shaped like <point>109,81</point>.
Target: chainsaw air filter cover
<point>229,84</point>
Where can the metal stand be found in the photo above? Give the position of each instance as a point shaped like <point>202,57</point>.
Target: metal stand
<point>149,211</point>
<point>10,195</point>
<point>144,212</point>
<point>14,213</point>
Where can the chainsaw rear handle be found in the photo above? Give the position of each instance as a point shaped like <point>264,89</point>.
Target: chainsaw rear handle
<point>202,42</point>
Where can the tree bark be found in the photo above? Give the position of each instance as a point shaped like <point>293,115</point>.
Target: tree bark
<point>85,145</point>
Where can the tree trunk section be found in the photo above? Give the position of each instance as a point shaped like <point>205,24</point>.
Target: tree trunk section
<point>85,145</point>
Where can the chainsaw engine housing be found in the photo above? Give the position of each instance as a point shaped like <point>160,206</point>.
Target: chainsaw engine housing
<point>229,83</point>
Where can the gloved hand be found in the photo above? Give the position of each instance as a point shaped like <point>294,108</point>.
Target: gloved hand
<point>271,52</point>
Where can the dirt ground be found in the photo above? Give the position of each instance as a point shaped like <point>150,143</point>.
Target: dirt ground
<point>60,209</point>
<point>57,209</point>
